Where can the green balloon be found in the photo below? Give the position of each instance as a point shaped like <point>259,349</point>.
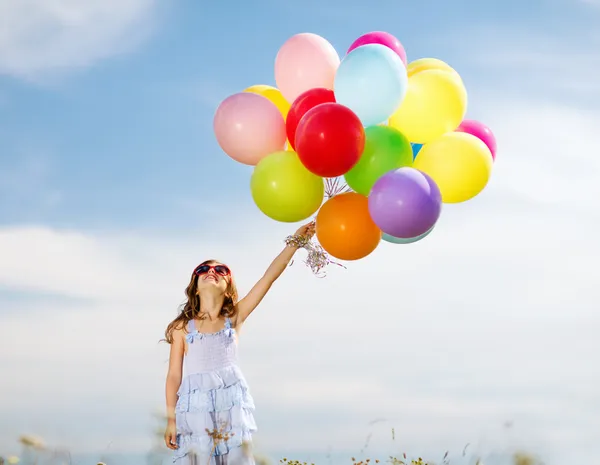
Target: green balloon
<point>386,149</point>
<point>284,190</point>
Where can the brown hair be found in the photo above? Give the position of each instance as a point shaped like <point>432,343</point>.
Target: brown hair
<point>190,310</point>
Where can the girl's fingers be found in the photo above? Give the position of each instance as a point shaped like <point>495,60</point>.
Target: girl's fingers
<point>171,442</point>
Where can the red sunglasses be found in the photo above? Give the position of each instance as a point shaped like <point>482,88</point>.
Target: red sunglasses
<point>221,270</point>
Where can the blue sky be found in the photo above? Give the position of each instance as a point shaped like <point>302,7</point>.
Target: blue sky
<point>112,187</point>
<point>127,141</point>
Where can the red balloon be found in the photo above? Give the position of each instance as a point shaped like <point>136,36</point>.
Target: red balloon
<point>330,140</point>
<point>304,102</point>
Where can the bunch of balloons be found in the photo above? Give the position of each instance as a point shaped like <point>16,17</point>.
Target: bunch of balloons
<point>396,131</point>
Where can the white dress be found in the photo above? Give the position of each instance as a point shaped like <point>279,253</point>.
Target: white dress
<point>213,396</point>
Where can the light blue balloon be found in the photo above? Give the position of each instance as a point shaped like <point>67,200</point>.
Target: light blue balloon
<point>405,240</point>
<point>372,81</point>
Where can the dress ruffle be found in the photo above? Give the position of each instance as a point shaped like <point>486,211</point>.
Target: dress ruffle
<point>216,400</point>
<point>195,334</point>
<point>215,379</point>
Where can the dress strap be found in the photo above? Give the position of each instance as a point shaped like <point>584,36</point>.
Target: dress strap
<point>191,327</point>
<point>227,323</point>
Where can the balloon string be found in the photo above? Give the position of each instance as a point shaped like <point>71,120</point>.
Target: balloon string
<point>335,186</point>
<point>317,259</point>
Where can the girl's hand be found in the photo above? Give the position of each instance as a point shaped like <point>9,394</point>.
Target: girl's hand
<point>171,436</point>
<point>308,230</point>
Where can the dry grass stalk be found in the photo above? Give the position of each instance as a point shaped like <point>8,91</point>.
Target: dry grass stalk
<point>218,436</point>
<point>33,443</point>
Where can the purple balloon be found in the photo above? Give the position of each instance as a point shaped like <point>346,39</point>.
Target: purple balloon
<point>405,203</point>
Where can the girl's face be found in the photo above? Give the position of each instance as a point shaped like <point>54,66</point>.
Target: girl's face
<point>213,275</point>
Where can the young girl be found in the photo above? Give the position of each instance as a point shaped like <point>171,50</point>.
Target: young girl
<point>209,406</point>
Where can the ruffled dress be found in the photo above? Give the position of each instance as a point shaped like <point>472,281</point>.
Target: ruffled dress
<point>213,396</point>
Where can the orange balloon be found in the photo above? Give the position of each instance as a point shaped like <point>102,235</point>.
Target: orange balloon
<point>345,228</point>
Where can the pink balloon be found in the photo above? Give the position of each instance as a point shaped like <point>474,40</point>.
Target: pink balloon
<point>480,131</point>
<point>305,61</point>
<point>382,38</point>
<point>249,127</point>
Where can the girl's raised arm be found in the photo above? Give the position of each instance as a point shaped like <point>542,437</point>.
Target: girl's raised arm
<point>247,305</point>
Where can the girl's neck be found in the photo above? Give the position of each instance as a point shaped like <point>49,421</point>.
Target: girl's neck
<point>211,305</point>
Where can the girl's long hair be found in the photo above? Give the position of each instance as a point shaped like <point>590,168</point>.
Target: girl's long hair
<point>190,310</point>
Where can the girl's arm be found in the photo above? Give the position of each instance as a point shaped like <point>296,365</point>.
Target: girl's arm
<point>174,376</point>
<point>247,305</point>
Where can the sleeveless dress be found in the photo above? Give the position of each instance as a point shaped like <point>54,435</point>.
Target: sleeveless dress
<point>213,396</point>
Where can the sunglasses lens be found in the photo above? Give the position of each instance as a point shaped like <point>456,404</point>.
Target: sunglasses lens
<point>222,270</point>
<point>202,269</point>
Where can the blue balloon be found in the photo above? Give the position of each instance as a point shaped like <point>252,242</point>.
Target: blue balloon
<point>372,81</point>
<point>405,240</point>
<point>416,149</point>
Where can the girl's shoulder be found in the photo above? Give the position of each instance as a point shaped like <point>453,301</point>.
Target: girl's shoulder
<point>180,331</point>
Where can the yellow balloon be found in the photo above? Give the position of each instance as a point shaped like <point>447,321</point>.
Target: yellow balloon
<point>284,190</point>
<point>274,95</point>
<point>424,64</point>
<point>435,103</point>
<point>459,163</point>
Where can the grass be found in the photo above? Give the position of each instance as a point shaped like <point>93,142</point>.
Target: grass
<point>35,452</point>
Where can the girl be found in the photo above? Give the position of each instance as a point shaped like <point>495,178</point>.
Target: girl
<point>209,406</point>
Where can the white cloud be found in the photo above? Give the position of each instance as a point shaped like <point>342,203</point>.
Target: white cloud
<point>41,38</point>
<point>546,153</point>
